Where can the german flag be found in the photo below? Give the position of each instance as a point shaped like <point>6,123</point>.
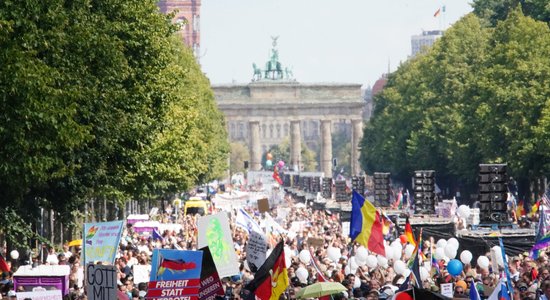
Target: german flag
<point>271,280</point>
<point>409,233</point>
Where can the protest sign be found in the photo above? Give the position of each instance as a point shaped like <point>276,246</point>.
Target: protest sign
<point>447,290</point>
<point>100,241</point>
<point>141,273</point>
<point>211,285</point>
<point>40,295</point>
<point>214,232</point>
<point>255,250</point>
<point>345,228</point>
<point>175,275</point>
<point>263,205</point>
<point>102,282</point>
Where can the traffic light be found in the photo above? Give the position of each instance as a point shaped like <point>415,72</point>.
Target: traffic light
<point>382,189</point>
<point>493,193</point>
<point>424,192</point>
<point>326,188</point>
<point>340,192</point>
<point>358,184</point>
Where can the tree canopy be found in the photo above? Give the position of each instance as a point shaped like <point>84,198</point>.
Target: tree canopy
<point>100,100</point>
<point>479,95</point>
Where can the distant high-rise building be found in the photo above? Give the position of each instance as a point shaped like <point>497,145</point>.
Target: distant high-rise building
<point>187,14</point>
<point>426,39</point>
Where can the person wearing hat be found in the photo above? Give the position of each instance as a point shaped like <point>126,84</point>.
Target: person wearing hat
<point>12,295</point>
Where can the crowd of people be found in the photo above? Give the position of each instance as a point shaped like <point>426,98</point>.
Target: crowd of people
<point>530,277</point>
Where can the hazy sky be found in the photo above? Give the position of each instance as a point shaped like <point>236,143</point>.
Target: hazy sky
<point>322,41</point>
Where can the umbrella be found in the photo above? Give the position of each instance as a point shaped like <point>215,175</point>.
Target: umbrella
<point>75,243</point>
<point>320,289</point>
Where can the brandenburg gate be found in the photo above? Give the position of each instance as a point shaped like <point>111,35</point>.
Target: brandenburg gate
<point>274,106</point>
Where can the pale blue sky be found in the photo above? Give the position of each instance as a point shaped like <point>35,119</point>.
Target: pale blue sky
<point>323,41</point>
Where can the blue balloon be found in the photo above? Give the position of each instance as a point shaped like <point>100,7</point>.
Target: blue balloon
<point>268,163</point>
<point>454,267</point>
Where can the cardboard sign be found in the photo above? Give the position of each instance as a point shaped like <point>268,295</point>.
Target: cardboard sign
<point>211,285</point>
<point>102,282</point>
<point>316,242</point>
<point>345,228</point>
<point>100,241</point>
<point>175,274</point>
<point>263,205</point>
<point>214,232</point>
<point>40,295</point>
<point>447,290</point>
<point>255,250</point>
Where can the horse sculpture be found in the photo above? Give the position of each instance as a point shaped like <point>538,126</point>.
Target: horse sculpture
<point>257,73</point>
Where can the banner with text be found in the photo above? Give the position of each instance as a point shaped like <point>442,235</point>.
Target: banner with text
<point>211,285</point>
<point>175,275</point>
<point>40,295</point>
<point>214,232</point>
<point>255,250</point>
<point>100,241</point>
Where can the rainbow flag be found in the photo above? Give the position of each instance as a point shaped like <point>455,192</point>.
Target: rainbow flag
<point>542,240</point>
<point>365,225</point>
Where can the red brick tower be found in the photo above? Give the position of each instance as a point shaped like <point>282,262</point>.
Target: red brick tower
<point>188,11</point>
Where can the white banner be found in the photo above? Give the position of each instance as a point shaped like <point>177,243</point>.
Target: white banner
<point>215,233</point>
<point>255,250</point>
<point>40,295</point>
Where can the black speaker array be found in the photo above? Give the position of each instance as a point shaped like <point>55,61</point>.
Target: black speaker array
<point>424,191</point>
<point>382,189</point>
<point>287,180</point>
<point>326,187</point>
<point>315,184</point>
<point>340,192</point>
<point>493,193</point>
<point>358,184</point>
<point>295,181</point>
<point>306,184</point>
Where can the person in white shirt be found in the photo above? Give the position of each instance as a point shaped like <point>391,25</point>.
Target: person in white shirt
<point>52,257</point>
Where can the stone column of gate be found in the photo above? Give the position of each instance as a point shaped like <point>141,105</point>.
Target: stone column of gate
<point>295,146</point>
<point>356,136</point>
<point>326,148</point>
<point>255,147</point>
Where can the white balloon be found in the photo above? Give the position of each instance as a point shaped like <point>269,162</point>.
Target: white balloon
<point>399,267</point>
<point>347,270</point>
<point>439,253</point>
<point>302,274</point>
<point>14,254</point>
<point>450,251</point>
<point>353,263</point>
<point>453,242</point>
<point>362,253</point>
<point>483,262</point>
<point>372,261</point>
<point>357,283</point>
<point>406,273</point>
<point>466,257</point>
<point>360,262</point>
<point>389,251</point>
<point>305,257</point>
<point>409,249</point>
<point>424,274</point>
<point>334,254</point>
<point>382,261</point>
<point>464,211</point>
<point>397,252</point>
<point>441,243</point>
<point>396,243</point>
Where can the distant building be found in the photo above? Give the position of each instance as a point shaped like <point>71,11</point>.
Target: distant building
<point>369,94</point>
<point>188,14</point>
<point>426,39</point>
